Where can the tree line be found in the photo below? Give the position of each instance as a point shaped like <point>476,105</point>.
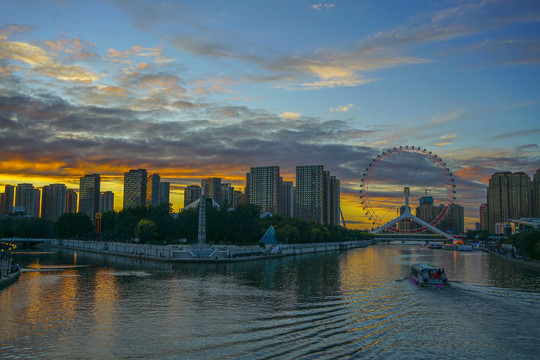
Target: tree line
<point>158,225</point>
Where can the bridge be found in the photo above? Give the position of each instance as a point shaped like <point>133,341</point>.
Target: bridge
<point>407,215</point>
<point>24,242</point>
<point>425,238</point>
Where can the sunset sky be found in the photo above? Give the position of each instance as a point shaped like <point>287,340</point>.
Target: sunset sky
<point>195,89</point>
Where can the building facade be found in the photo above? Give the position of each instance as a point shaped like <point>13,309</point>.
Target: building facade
<point>25,196</point>
<point>317,195</point>
<point>309,196</point>
<point>152,190</point>
<point>508,198</point>
<point>264,188</point>
<point>135,188</point>
<point>53,201</point>
<point>212,189</point>
<point>164,192</point>
<point>227,195</point>
<point>106,201</point>
<point>535,195</point>
<point>89,193</point>
<point>286,203</point>
<point>334,202</point>
<point>454,221</point>
<point>484,217</point>
<point>37,203</point>
<point>71,201</point>
<point>7,199</point>
<point>191,193</point>
<point>427,210</point>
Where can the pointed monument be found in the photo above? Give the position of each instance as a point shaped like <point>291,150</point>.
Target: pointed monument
<point>201,237</point>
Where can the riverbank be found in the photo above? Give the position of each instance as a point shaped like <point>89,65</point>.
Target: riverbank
<point>8,273</point>
<point>203,253</point>
<point>531,264</point>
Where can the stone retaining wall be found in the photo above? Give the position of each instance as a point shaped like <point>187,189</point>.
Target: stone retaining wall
<point>219,252</point>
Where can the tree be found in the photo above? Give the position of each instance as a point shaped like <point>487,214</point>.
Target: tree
<point>74,226</point>
<point>146,231</point>
<point>528,244</point>
<point>6,227</point>
<point>32,228</point>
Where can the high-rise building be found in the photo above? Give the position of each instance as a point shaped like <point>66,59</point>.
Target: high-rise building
<point>286,202</point>
<point>37,202</point>
<point>71,201</point>
<point>334,201</point>
<point>191,193</point>
<point>240,198</point>
<point>89,192</point>
<point>152,190</point>
<point>427,211</point>
<point>227,195</point>
<point>106,201</point>
<point>535,195</point>
<point>264,188</point>
<point>24,196</point>
<point>309,196</point>
<point>8,198</point>
<point>246,189</point>
<point>454,221</point>
<point>135,183</point>
<point>508,198</point>
<point>3,204</point>
<point>317,195</point>
<point>54,201</point>
<point>164,192</point>
<point>484,217</point>
<point>212,189</point>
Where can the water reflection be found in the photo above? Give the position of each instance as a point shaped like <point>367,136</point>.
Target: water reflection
<point>351,304</point>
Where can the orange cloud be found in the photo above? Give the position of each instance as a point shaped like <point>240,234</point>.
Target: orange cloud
<point>472,173</point>
<point>123,55</point>
<point>42,63</point>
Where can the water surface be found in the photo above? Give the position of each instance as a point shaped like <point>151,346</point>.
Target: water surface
<point>355,304</point>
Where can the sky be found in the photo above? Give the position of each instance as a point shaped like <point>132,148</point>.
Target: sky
<point>197,89</point>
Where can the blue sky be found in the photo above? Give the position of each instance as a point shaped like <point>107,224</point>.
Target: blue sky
<point>210,88</point>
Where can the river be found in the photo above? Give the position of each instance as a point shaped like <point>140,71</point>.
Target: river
<point>354,304</point>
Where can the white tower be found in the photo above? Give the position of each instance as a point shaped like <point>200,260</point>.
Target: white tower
<point>201,238</point>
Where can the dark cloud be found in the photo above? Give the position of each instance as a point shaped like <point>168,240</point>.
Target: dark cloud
<point>49,127</point>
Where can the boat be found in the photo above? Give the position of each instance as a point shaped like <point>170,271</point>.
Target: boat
<point>427,275</point>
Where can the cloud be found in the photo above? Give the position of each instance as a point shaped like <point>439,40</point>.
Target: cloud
<point>517,134</point>
<point>42,63</point>
<point>74,49</point>
<point>181,104</point>
<point>125,56</point>
<point>11,29</point>
<point>441,119</point>
<point>47,129</point>
<point>342,108</point>
<point>214,84</point>
<point>290,115</point>
<point>320,6</point>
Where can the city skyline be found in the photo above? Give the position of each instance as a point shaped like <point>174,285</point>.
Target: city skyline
<point>199,90</point>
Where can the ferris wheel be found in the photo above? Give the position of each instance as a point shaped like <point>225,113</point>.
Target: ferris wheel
<point>398,172</point>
